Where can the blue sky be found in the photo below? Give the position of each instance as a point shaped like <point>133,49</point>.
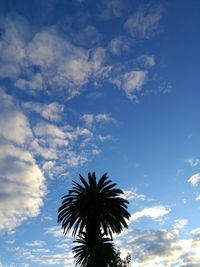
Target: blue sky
<point>105,86</point>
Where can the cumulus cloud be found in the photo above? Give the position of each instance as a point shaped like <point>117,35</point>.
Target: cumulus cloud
<point>155,212</point>
<point>160,248</point>
<point>22,182</point>
<point>131,82</point>
<point>194,179</point>
<point>62,64</point>
<point>22,187</point>
<point>47,59</point>
<point>51,61</point>
<point>144,23</point>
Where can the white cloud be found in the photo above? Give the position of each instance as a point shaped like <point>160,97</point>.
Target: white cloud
<point>103,138</point>
<point>56,61</point>
<point>22,182</point>
<point>35,83</point>
<point>144,23</point>
<point>154,213</point>
<point>12,53</point>
<point>22,187</point>
<point>180,223</point>
<point>132,195</point>
<point>47,60</point>
<point>112,9</point>
<point>14,125</point>
<point>98,58</point>
<point>193,162</point>
<point>194,179</point>
<point>36,243</point>
<point>90,119</point>
<point>55,231</point>
<point>119,45</point>
<point>104,117</point>
<point>146,60</point>
<point>45,150</point>
<point>50,111</point>
<point>160,248</point>
<point>62,64</point>
<point>131,82</point>
<point>45,256</point>
<point>87,37</point>
<point>74,159</point>
<point>196,231</point>
<point>198,197</point>
<point>47,129</point>
<point>63,146</point>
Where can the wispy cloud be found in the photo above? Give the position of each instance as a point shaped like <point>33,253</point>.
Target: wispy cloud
<point>36,243</point>
<point>90,119</point>
<point>120,45</point>
<point>133,195</point>
<point>112,9</point>
<point>194,179</point>
<point>144,23</point>
<point>193,162</point>
<point>146,61</point>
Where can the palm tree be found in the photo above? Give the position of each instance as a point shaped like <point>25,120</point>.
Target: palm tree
<point>94,210</point>
<point>87,252</point>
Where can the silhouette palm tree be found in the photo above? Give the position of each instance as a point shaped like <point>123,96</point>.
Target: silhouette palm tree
<point>100,253</point>
<point>94,210</point>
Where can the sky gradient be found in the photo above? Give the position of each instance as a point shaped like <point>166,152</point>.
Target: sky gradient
<point>105,86</point>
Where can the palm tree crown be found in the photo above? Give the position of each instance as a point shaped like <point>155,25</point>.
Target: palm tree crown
<point>93,207</point>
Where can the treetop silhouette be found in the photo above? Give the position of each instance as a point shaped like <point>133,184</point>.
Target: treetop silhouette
<point>94,210</point>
